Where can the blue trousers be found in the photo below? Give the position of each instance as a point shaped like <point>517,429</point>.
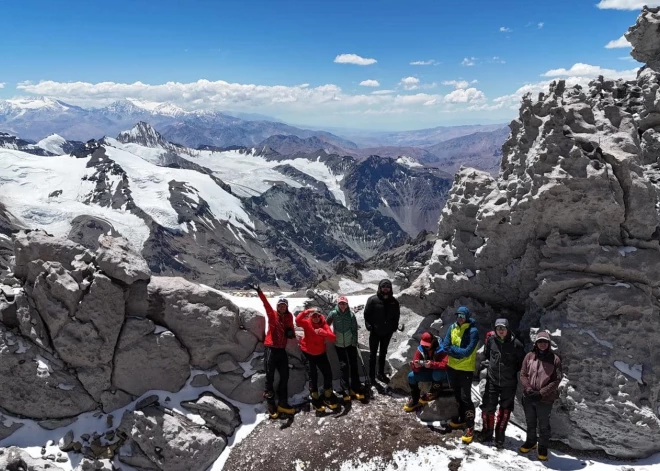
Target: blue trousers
<point>427,376</point>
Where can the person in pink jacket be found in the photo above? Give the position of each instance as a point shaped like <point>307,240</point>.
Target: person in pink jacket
<point>316,331</point>
<point>540,377</point>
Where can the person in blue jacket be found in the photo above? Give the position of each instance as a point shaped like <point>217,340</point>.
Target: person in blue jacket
<point>461,344</point>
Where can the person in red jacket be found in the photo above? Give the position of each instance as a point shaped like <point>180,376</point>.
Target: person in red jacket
<point>316,331</point>
<point>540,377</point>
<point>429,364</point>
<point>280,329</point>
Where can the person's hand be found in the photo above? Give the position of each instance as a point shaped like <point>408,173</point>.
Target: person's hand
<point>320,332</point>
<point>255,286</point>
<point>534,395</point>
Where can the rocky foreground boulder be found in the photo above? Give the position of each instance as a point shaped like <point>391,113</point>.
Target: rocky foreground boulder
<point>567,238</point>
<point>84,331</point>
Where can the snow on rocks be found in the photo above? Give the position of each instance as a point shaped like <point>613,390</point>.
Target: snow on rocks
<point>567,235</point>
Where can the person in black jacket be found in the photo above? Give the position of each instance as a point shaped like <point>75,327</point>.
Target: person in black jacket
<point>381,317</point>
<point>505,355</point>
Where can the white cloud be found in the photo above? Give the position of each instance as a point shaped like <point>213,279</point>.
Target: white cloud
<point>428,62</point>
<point>353,59</point>
<point>618,43</point>
<point>497,60</point>
<point>459,84</point>
<point>504,29</point>
<point>627,4</point>
<point>468,61</point>
<point>409,83</point>
<point>465,95</point>
<point>370,83</point>
<point>382,92</point>
<point>585,70</point>
<point>2,85</point>
<point>540,25</point>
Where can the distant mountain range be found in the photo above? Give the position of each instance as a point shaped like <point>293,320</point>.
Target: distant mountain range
<point>37,118</point>
<point>220,217</point>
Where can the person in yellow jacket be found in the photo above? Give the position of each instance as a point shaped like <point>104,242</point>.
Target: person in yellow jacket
<point>461,344</point>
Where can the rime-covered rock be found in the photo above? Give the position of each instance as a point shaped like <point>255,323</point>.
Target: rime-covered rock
<point>568,234</point>
<point>172,441</point>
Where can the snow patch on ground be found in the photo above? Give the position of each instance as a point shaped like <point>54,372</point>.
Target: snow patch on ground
<point>634,371</point>
<point>408,161</point>
<point>53,144</point>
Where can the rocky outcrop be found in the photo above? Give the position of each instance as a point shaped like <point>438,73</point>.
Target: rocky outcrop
<point>145,360</point>
<point>15,459</point>
<point>566,238</point>
<point>118,259</point>
<point>218,414</point>
<point>171,441</point>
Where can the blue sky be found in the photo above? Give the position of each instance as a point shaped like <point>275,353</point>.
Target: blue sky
<point>279,58</point>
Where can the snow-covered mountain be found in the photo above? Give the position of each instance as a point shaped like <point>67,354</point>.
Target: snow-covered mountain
<point>223,217</point>
<point>34,118</point>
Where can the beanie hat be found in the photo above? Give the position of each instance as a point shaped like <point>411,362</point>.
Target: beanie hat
<point>282,301</point>
<point>427,339</point>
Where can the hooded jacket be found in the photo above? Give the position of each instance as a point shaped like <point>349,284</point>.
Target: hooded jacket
<point>505,357</point>
<point>312,342</point>
<point>438,360</point>
<point>381,316</point>
<point>461,344</point>
<point>541,371</point>
<point>277,324</point>
<point>345,326</point>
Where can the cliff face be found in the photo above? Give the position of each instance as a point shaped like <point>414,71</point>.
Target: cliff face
<point>566,238</point>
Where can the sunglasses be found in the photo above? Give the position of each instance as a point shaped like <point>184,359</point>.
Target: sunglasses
<point>543,341</point>
<point>343,304</point>
<point>500,327</point>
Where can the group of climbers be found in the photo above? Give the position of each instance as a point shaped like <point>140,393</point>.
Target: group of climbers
<point>454,360</point>
<point>450,362</point>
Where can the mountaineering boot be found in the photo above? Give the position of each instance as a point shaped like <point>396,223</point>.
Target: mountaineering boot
<point>285,408</point>
<point>469,431</point>
<point>486,433</point>
<point>357,394</point>
<point>527,447</point>
<point>269,396</point>
<point>432,395</point>
<point>413,402</point>
<point>346,396</point>
<point>543,453</point>
<point>329,399</point>
<point>456,423</point>
<point>500,428</point>
<point>317,403</point>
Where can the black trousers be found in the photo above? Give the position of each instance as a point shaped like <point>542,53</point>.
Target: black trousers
<point>376,343</point>
<point>348,363</point>
<point>537,415</point>
<point>505,396</point>
<point>276,359</point>
<point>461,383</point>
<point>322,363</point>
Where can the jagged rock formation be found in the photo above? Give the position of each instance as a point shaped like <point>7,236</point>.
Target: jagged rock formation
<point>566,238</point>
<point>83,331</point>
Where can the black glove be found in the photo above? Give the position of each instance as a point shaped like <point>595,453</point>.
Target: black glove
<point>534,395</point>
<point>290,334</point>
<point>254,286</point>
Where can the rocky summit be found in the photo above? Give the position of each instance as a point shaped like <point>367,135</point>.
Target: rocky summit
<point>567,238</point>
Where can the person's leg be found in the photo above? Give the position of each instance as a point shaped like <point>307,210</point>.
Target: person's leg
<point>312,374</point>
<point>355,371</point>
<point>324,366</point>
<point>382,356</point>
<point>282,365</point>
<point>466,398</point>
<point>507,399</point>
<point>543,411</point>
<point>531,420</point>
<point>454,379</point>
<point>269,393</point>
<point>488,407</point>
<point>413,381</point>
<point>374,341</point>
<point>342,355</point>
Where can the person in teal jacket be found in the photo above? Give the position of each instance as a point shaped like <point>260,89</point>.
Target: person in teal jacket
<point>344,323</point>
